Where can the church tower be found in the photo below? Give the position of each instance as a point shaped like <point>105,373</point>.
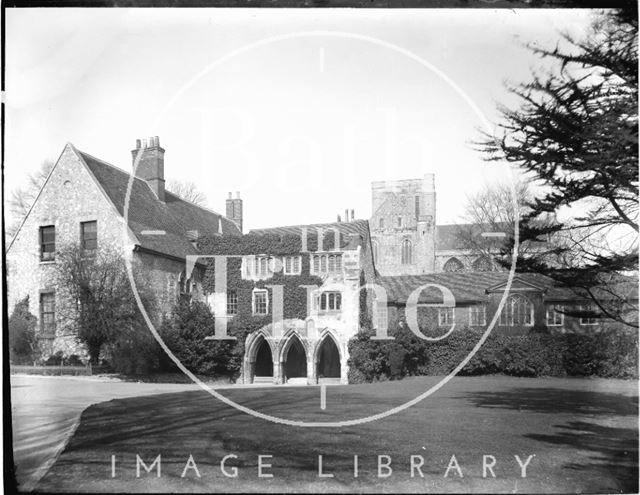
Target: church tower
<point>403,225</point>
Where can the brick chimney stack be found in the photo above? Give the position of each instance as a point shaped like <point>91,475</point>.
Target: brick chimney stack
<point>150,165</point>
<point>234,209</point>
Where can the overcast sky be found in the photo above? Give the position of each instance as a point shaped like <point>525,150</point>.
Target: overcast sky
<point>298,110</point>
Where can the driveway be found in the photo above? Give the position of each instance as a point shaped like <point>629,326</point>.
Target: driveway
<point>46,410</point>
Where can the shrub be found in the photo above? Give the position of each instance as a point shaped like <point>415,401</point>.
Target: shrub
<point>184,333</point>
<point>23,343</point>
<point>611,353</point>
<point>368,357</point>
<point>397,354</point>
<point>134,352</point>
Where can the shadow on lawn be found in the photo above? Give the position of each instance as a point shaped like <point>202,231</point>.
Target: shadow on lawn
<point>558,401</point>
<point>612,451</point>
<point>180,424</point>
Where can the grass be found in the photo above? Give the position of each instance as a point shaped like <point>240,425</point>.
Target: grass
<point>583,433</point>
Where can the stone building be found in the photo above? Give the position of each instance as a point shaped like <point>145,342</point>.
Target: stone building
<point>410,251</point>
<point>406,239</point>
<point>403,225</point>
<point>302,332</point>
<point>83,203</point>
<point>303,328</point>
<point>534,301</point>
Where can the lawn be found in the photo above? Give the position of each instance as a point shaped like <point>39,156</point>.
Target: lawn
<point>583,434</point>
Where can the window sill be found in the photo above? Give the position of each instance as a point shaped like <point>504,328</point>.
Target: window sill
<point>47,262</point>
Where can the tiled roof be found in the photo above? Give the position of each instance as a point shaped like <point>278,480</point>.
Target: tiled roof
<point>469,287</point>
<point>174,216</point>
<point>355,227</point>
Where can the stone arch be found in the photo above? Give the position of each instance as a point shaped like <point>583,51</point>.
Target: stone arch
<point>453,264</point>
<point>259,351</point>
<point>327,357</point>
<point>518,310</point>
<point>293,357</point>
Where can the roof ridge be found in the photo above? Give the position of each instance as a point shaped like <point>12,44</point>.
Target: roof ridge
<point>121,170</point>
<point>206,208</point>
<point>104,162</point>
<point>360,220</point>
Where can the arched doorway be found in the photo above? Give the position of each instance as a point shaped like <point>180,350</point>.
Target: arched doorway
<point>295,360</point>
<point>328,359</point>
<point>264,361</point>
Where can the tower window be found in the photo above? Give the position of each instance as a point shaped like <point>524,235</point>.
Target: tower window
<point>407,252</point>
<point>381,223</point>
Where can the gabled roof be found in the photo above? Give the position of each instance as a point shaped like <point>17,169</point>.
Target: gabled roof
<point>174,216</point>
<point>517,284</point>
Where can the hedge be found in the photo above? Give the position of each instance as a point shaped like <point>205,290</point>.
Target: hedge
<point>609,353</point>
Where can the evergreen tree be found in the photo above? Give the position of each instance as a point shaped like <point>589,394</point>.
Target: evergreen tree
<point>576,134</point>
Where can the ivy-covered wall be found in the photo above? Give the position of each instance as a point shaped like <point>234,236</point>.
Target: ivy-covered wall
<point>295,294</point>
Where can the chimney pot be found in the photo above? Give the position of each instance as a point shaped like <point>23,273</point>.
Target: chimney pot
<point>148,162</point>
<point>339,219</point>
<point>230,195</point>
<point>346,215</point>
<point>352,215</point>
<point>238,194</point>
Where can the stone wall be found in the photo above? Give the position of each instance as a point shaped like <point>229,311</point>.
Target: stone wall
<point>403,211</point>
<point>71,196</point>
